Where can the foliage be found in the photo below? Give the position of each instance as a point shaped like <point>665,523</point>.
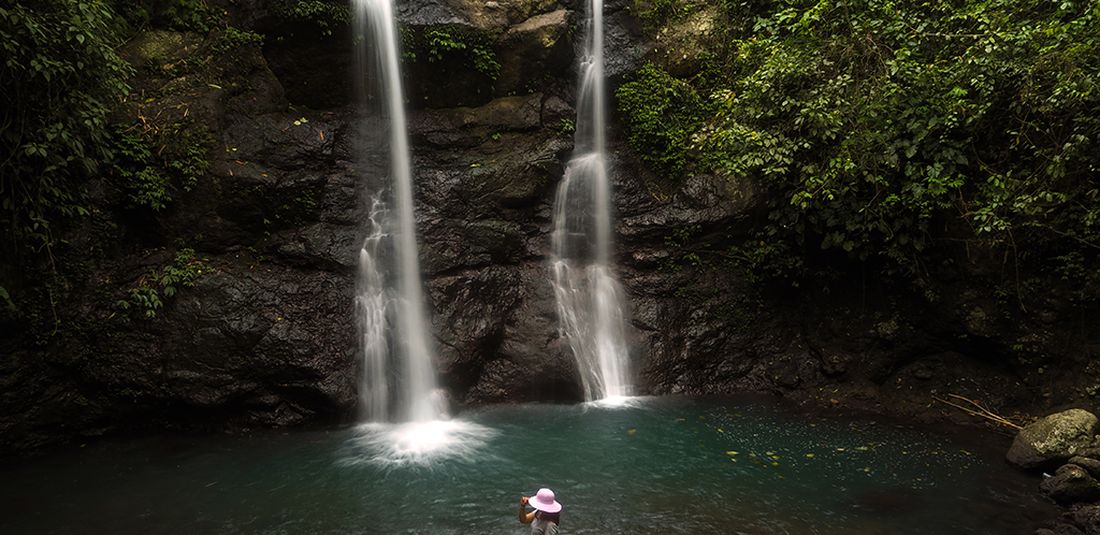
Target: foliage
<point>144,184</point>
<point>456,43</point>
<point>185,150</point>
<point>661,11</point>
<point>679,245</point>
<point>566,126</point>
<point>181,15</point>
<point>60,77</point>
<point>152,164</point>
<point>157,286</point>
<point>663,114</point>
<point>5,300</point>
<point>232,38</point>
<point>886,128</point>
<point>326,16</point>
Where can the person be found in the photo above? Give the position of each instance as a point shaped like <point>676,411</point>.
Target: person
<point>545,518</point>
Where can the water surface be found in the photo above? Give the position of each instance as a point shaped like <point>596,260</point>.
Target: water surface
<point>663,466</point>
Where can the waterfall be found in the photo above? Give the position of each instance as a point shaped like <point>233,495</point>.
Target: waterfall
<point>588,295</point>
<point>371,303</point>
<point>394,334</point>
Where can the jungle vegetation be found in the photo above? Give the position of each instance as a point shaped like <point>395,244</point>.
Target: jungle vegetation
<point>890,131</point>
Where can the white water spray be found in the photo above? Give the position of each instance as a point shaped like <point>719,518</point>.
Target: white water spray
<point>400,353</point>
<point>588,295</point>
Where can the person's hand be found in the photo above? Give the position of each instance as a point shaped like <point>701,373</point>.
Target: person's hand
<point>523,500</point>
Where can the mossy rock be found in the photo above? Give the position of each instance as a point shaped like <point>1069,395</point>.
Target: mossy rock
<point>1053,440</point>
<point>161,47</point>
<point>682,45</point>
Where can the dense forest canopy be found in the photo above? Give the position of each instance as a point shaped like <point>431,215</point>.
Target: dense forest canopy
<point>886,129</point>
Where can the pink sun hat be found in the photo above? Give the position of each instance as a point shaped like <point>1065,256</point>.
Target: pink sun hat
<point>543,500</point>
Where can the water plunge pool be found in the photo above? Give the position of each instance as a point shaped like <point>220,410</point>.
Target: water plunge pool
<point>661,465</point>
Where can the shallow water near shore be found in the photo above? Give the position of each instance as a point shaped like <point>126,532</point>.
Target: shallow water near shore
<point>657,465</point>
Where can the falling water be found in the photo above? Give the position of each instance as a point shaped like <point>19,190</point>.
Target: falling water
<point>400,355</point>
<point>371,302</point>
<point>589,298</point>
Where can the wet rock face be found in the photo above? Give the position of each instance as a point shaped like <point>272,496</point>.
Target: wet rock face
<point>486,15</point>
<point>454,52</point>
<point>485,189</point>
<point>1053,439</point>
<point>1087,517</point>
<point>266,335</point>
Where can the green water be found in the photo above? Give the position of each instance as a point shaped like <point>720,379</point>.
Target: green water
<point>665,466</point>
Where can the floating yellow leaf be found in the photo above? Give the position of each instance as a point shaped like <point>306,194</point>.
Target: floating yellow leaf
<point>809,456</point>
<point>731,452</point>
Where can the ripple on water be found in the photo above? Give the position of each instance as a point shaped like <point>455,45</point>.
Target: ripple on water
<point>416,443</point>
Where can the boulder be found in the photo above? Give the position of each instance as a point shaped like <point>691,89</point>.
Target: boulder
<point>157,48</point>
<point>1059,529</point>
<point>1071,484</point>
<point>1087,518</point>
<point>1053,439</point>
<point>531,51</point>
<point>681,46</point>
<point>1092,466</point>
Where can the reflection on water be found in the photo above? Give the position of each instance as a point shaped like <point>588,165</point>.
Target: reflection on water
<point>658,465</point>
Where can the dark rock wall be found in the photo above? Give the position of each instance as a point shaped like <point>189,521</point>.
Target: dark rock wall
<point>266,336</point>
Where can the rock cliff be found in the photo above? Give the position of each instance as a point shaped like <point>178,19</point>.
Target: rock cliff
<point>264,337</point>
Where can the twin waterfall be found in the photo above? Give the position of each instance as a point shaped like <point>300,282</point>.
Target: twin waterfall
<point>399,383</point>
<point>589,298</point>
<point>380,300</point>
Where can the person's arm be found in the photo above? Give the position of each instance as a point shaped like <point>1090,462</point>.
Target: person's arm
<point>524,516</point>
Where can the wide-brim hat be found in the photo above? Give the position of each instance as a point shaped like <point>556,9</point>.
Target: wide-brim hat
<point>544,501</point>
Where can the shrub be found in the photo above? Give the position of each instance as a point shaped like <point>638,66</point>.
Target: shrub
<point>150,292</point>
<point>60,76</point>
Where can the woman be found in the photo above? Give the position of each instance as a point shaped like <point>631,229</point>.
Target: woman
<point>545,518</point>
